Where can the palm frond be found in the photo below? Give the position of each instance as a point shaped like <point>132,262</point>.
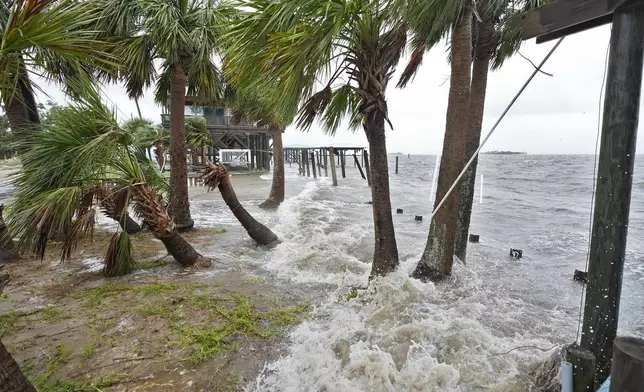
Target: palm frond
<point>83,225</point>
<point>118,258</point>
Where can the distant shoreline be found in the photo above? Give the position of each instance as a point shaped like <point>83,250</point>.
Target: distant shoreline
<point>504,153</point>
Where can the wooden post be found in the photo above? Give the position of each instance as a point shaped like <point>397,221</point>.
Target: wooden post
<point>342,163</point>
<point>355,162</point>
<point>396,164</point>
<point>627,373</point>
<point>367,168</point>
<point>315,175</point>
<point>318,163</point>
<point>305,156</point>
<point>583,369</point>
<point>300,163</point>
<point>333,174</point>
<point>252,151</point>
<point>326,163</point>
<point>613,189</point>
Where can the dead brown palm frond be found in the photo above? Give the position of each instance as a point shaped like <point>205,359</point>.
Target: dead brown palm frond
<point>114,202</point>
<point>314,106</point>
<point>412,67</point>
<point>392,47</point>
<point>213,175</point>
<point>118,259</point>
<point>83,225</point>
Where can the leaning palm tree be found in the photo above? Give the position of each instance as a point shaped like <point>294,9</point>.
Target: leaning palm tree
<point>54,38</point>
<point>183,35</point>
<point>86,157</point>
<point>348,44</point>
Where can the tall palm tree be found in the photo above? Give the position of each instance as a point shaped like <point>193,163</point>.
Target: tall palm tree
<point>55,38</point>
<point>199,138</point>
<point>249,106</point>
<point>353,48</point>
<point>437,258</point>
<point>183,35</point>
<point>494,39</point>
<point>84,158</point>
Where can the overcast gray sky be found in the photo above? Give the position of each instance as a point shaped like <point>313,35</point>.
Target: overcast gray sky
<point>555,115</point>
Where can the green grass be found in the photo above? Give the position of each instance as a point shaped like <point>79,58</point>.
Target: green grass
<point>51,367</point>
<point>80,386</point>
<point>53,314</point>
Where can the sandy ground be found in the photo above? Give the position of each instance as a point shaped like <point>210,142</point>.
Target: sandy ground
<point>162,328</point>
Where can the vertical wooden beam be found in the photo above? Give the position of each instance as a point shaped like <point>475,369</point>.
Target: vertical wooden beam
<point>613,189</point>
<point>367,168</point>
<point>342,164</point>
<point>334,177</point>
<point>627,373</point>
<point>326,163</point>
<point>583,369</point>
<point>396,164</point>
<point>319,162</point>
<point>300,162</point>
<point>305,157</point>
<point>315,175</point>
<point>251,145</point>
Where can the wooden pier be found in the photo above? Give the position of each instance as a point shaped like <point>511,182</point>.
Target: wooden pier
<point>318,160</point>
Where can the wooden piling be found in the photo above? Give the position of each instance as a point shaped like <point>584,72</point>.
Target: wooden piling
<point>342,164</point>
<point>367,168</point>
<point>583,369</point>
<point>326,163</point>
<point>613,188</point>
<point>333,174</point>
<point>318,163</point>
<point>357,163</point>
<point>315,174</point>
<point>627,372</point>
<point>396,164</point>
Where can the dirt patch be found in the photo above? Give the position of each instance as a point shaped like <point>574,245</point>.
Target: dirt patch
<point>159,329</point>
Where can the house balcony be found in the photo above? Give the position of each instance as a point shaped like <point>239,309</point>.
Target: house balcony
<point>222,124</point>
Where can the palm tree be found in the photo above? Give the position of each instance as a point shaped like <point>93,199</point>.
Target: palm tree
<point>496,40</point>
<point>45,37</point>
<point>85,157</point>
<point>216,176</point>
<point>249,106</point>
<point>199,138</point>
<point>493,37</point>
<point>7,249</point>
<point>183,35</point>
<point>352,46</point>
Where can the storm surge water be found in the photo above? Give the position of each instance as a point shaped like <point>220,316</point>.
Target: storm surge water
<point>399,334</point>
<point>403,335</point>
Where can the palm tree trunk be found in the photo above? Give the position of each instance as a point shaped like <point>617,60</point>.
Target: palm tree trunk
<point>21,109</point>
<point>7,250</point>
<point>159,152</point>
<point>11,377</point>
<point>385,255</point>
<point>149,205</point>
<point>477,107</point>
<point>204,154</point>
<point>276,197</point>
<point>179,206</point>
<point>437,259</point>
<point>217,176</point>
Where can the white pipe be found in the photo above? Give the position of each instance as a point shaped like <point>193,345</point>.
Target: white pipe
<point>507,109</point>
<point>566,376</point>
<point>481,195</point>
<point>432,196</point>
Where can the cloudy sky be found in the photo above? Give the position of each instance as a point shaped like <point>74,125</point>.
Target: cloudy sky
<point>555,115</point>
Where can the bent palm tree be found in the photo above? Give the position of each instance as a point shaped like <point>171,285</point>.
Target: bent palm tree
<point>216,176</point>
<point>199,137</point>
<point>85,157</point>
<point>182,34</point>
<point>352,43</point>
